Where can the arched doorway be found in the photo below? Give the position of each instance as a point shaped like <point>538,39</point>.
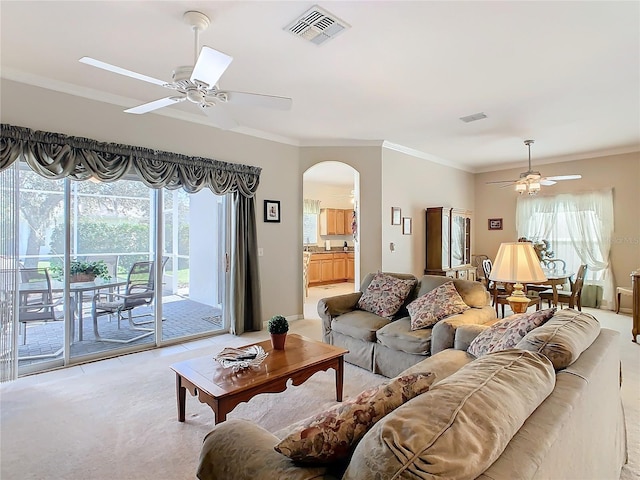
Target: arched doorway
<point>330,233</point>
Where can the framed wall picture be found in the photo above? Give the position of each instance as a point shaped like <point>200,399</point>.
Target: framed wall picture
<point>495,224</point>
<point>406,225</point>
<point>272,211</point>
<point>395,216</point>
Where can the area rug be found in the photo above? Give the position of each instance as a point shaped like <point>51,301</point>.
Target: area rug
<point>121,423</point>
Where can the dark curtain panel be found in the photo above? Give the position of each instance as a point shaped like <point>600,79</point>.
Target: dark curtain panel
<point>246,310</point>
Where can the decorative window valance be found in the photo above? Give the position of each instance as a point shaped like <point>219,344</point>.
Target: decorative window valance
<point>310,206</point>
<point>55,156</point>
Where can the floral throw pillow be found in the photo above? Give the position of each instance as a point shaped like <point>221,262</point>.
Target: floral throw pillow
<point>508,332</point>
<point>439,303</point>
<point>332,435</point>
<point>385,294</point>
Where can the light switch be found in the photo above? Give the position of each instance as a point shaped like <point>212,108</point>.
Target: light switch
<point>260,252</point>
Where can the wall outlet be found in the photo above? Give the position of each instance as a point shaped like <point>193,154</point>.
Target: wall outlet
<point>260,252</point>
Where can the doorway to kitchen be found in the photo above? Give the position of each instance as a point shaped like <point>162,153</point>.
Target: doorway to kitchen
<point>330,232</point>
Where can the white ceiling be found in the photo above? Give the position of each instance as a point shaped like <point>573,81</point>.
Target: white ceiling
<point>566,74</point>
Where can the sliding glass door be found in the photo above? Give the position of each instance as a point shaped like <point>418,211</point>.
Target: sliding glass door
<point>194,277</point>
<point>139,299</point>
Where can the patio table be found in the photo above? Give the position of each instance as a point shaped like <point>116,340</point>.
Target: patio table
<point>77,289</point>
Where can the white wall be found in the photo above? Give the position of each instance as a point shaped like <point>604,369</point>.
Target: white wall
<point>413,184</point>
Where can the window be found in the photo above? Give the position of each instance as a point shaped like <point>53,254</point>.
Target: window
<point>310,228</point>
<point>579,228</point>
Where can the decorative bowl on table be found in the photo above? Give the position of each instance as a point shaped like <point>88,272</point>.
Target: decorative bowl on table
<point>240,358</point>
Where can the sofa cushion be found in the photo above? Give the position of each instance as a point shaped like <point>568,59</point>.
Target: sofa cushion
<point>385,294</point>
<point>508,332</point>
<point>474,294</point>
<point>461,425</point>
<point>439,303</point>
<point>399,336</point>
<point>563,338</point>
<point>359,324</point>
<point>331,435</point>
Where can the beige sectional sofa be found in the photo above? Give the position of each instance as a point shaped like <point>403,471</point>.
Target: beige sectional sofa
<point>387,346</point>
<point>548,409</point>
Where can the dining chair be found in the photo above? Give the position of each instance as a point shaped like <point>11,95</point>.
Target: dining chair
<point>496,289</point>
<point>571,297</point>
<point>139,292</point>
<point>477,262</point>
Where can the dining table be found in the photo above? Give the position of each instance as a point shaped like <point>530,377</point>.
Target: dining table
<point>77,290</point>
<point>555,277</point>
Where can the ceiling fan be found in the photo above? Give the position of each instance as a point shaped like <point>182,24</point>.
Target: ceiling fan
<point>198,83</point>
<point>531,181</point>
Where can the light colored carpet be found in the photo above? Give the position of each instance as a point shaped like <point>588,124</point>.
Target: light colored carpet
<point>116,419</point>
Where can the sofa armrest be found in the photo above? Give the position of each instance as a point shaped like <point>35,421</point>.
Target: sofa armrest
<point>331,307</point>
<point>465,335</point>
<point>444,331</point>
<point>242,450</point>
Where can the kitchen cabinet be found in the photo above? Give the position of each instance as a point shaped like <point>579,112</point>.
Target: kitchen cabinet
<point>339,222</point>
<point>339,266</point>
<point>315,270</point>
<point>351,269</point>
<point>330,267</point>
<point>328,221</point>
<point>348,216</point>
<point>326,267</point>
<point>335,221</point>
<point>448,243</point>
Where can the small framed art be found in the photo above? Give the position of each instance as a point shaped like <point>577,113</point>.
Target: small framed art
<point>272,211</point>
<point>406,225</point>
<point>495,224</point>
<point>395,216</point>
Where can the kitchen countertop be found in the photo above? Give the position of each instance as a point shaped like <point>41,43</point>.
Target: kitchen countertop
<point>333,250</point>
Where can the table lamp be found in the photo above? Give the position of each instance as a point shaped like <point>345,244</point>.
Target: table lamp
<point>517,263</point>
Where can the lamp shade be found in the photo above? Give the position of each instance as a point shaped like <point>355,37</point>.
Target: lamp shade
<point>517,262</point>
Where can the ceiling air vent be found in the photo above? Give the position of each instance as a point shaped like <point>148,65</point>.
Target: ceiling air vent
<point>473,118</point>
<point>317,25</point>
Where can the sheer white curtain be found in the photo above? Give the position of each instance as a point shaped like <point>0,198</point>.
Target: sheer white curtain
<point>579,227</point>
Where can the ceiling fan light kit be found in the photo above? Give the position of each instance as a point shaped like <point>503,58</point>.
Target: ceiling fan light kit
<point>531,181</point>
<point>198,83</point>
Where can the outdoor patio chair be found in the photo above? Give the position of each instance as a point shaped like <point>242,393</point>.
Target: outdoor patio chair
<point>36,302</point>
<point>139,292</point>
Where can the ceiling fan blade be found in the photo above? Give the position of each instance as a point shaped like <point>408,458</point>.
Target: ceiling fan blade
<point>259,100</point>
<point>565,177</point>
<point>210,66</point>
<point>121,71</point>
<point>220,118</point>
<point>156,104</point>
<point>547,182</point>
<point>502,181</point>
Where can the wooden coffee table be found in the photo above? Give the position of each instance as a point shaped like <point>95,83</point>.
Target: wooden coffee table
<point>222,389</point>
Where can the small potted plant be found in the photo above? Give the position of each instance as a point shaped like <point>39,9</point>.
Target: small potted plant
<point>278,328</point>
<point>81,271</point>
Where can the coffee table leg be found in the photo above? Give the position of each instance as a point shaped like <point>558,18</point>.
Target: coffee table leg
<point>181,396</point>
<point>339,378</point>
